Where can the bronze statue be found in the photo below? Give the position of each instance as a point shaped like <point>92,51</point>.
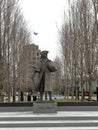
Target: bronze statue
<point>44,67</point>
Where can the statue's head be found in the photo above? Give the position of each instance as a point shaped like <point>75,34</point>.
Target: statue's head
<point>44,54</point>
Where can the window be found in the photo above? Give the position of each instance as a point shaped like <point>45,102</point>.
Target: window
<point>34,58</point>
<point>97,81</point>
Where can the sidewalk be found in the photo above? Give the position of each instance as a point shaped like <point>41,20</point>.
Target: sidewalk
<point>27,120</point>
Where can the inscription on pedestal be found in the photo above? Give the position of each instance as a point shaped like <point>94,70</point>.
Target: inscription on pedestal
<point>45,107</point>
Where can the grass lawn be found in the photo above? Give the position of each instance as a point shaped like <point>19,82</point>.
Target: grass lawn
<point>70,100</point>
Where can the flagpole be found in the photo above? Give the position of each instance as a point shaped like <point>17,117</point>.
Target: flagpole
<point>34,33</point>
<point>33,36</point>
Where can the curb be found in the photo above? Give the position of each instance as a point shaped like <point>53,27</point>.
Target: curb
<point>28,104</point>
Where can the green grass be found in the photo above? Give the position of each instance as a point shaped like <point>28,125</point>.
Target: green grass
<point>70,100</point>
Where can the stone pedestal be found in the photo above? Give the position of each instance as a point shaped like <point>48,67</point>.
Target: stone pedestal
<point>45,107</point>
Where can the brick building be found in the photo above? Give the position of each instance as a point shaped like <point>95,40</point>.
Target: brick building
<point>29,56</point>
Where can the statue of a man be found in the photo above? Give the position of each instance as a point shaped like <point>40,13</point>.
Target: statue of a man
<point>44,67</point>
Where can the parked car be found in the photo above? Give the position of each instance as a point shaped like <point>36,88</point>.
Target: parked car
<point>86,93</point>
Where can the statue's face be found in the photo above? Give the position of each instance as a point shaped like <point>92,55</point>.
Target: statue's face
<point>44,55</point>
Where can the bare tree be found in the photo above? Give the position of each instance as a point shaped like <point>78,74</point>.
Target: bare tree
<point>57,77</point>
<point>14,33</point>
<point>79,46</point>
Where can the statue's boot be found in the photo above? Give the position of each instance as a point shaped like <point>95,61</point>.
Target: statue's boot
<point>46,95</point>
<point>50,96</point>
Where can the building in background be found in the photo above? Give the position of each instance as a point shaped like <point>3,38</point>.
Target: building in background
<point>29,56</point>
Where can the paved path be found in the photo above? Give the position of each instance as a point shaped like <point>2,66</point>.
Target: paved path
<point>63,120</point>
<point>59,108</point>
